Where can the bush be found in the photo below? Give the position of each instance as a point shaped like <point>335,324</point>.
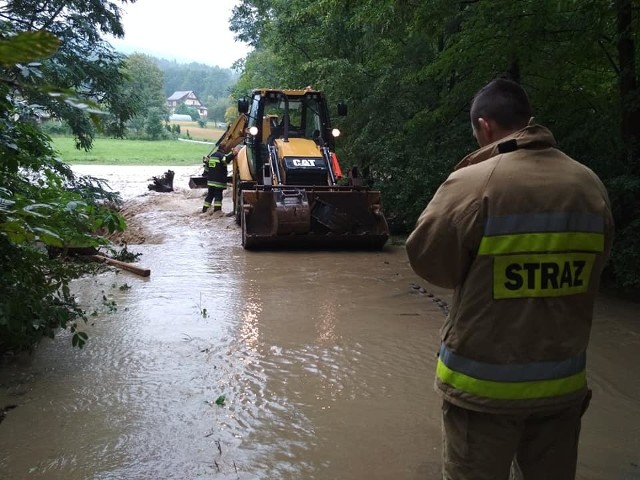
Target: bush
<point>624,193</point>
<point>188,110</point>
<point>625,258</point>
<point>36,295</point>
<point>56,127</point>
<point>153,124</point>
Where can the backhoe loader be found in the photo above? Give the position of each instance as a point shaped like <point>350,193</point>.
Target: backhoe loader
<point>285,177</point>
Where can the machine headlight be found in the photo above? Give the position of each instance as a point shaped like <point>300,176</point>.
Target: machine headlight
<point>253,131</point>
<point>335,132</point>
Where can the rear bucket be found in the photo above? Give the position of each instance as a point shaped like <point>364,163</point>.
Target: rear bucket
<point>329,218</point>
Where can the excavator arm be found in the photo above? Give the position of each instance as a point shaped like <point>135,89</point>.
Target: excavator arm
<point>232,136</point>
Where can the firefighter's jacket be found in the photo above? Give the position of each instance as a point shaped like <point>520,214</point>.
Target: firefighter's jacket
<point>521,232</point>
<point>217,169</point>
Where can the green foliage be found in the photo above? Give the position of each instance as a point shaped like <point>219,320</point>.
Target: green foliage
<point>28,46</point>
<point>79,71</point>
<point>153,124</point>
<point>216,107</point>
<point>626,257</point>
<point>408,71</point>
<point>43,206</point>
<point>205,80</point>
<point>35,299</point>
<point>624,193</point>
<point>143,86</point>
<point>188,110</point>
<point>55,127</point>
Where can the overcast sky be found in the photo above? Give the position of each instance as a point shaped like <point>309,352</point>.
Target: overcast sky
<point>181,30</point>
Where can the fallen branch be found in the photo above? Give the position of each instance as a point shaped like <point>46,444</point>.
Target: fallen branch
<point>143,272</point>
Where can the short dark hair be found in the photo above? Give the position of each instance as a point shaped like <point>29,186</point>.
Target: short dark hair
<point>503,101</point>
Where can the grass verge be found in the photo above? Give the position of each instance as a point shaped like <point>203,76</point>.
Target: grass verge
<point>110,151</point>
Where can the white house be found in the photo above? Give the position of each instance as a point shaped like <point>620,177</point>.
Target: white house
<point>187,97</point>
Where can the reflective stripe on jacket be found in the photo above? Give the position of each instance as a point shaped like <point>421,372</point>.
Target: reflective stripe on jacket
<point>217,171</point>
<point>512,381</point>
<point>521,232</point>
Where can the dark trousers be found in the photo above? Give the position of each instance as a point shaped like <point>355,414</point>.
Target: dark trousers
<point>214,194</point>
<point>482,446</point>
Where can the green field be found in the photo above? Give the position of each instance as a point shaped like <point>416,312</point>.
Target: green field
<point>109,151</point>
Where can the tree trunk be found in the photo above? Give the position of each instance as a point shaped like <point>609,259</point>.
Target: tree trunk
<point>628,84</point>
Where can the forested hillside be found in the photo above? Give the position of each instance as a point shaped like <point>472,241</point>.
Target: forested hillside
<point>211,84</point>
<point>408,71</point>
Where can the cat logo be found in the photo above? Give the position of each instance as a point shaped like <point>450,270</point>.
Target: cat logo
<point>303,162</point>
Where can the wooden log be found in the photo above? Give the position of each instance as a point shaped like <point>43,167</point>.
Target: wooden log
<point>143,272</point>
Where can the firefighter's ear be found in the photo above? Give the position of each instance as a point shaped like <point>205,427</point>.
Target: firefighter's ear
<point>483,131</point>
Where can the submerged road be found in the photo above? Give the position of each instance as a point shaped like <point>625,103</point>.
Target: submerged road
<point>264,365</point>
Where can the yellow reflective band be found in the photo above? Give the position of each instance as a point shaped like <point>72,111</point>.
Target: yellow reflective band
<point>541,275</point>
<point>216,184</point>
<point>510,390</point>
<point>542,242</point>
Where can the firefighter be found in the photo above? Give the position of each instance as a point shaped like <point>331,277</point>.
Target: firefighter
<point>521,232</point>
<point>216,178</point>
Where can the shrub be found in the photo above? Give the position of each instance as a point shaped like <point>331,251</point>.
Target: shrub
<point>56,127</point>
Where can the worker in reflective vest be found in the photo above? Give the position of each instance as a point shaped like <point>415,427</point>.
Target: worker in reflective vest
<point>216,179</point>
<point>521,232</point>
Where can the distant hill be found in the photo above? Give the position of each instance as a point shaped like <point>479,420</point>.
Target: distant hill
<point>205,80</point>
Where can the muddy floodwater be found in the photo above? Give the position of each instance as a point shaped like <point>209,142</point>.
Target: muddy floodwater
<point>229,364</point>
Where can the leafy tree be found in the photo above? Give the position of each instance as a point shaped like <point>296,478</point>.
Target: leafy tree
<point>188,110</point>
<point>217,107</point>
<point>153,123</point>
<point>42,204</point>
<point>144,86</point>
<point>231,114</point>
<point>84,70</point>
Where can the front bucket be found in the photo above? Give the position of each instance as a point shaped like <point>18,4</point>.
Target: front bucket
<point>198,182</point>
<point>338,217</point>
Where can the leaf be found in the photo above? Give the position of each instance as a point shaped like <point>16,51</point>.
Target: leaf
<point>48,237</point>
<point>71,97</point>
<point>79,339</point>
<point>5,204</point>
<point>27,46</point>
<point>31,209</point>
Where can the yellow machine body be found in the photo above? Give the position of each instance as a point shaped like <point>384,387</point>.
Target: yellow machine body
<point>286,185</point>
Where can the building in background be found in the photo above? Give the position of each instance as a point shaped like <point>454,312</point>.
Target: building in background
<point>188,98</point>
